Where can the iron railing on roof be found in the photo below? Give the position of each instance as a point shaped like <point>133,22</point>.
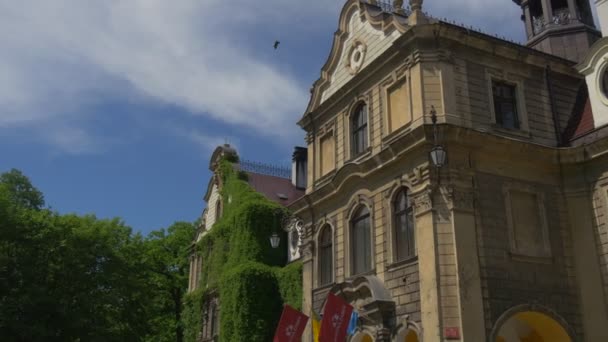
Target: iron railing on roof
<point>265,169</point>
<point>389,6</point>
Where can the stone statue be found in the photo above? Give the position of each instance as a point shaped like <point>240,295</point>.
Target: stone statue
<point>416,5</point>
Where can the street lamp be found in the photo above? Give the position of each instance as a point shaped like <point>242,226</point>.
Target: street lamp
<point>275,240</point>
<point>438,153</point>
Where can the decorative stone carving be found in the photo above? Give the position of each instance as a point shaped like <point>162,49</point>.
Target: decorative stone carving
<point>423,202</point>
<point>307,249</point>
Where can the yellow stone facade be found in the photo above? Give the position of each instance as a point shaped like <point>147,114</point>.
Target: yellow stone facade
<point>511,235</point>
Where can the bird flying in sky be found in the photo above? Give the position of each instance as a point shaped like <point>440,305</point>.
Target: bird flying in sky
<point>276,44</point>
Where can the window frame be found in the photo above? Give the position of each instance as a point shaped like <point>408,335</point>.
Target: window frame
<point>322,257</point>
<point>520,101</point>
<point>512,101</point>
<point>362,129</point>
<point>408,213</point>
<point>355,218</point>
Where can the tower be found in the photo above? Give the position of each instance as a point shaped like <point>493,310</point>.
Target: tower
<point>559,27</point>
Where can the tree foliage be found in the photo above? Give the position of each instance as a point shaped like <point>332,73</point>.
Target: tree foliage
<point>80,278</point>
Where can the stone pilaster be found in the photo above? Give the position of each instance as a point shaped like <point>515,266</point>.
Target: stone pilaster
<point>461,203</point>
<point>307,251</point>
<point>427,260</point>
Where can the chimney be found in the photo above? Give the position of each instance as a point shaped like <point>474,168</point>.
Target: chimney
<point>299,167</point>
<point>602,14</point>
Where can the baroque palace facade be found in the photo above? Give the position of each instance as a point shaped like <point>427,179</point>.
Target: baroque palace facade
<point>508,240</point>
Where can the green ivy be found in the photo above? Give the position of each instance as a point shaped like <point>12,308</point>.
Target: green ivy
<point>240,264</point>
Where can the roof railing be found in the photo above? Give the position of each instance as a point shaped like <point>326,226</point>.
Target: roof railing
<point>265,169</point>
<point>389,6</point>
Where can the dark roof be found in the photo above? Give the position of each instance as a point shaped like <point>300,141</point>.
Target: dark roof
<point>581,120</point>
<point>276,189</point>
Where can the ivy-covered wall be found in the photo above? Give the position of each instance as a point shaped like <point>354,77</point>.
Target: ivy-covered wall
<point>240,265</point>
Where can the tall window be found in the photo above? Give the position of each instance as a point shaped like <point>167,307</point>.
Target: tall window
<point>405,245</point>
<point>359,130</point>
<point>361,252</point>
<point>326,257</point>
<point>214,320</point>
<point>218,209</point>
<point>505,105</point>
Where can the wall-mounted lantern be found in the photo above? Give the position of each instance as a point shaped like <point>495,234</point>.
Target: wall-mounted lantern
<point>438,153</point>
<point>275,240</point>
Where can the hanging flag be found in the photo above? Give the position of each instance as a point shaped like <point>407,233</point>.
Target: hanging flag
<point>316,326</point>
<point>291,325</point>
<point>352,326</point>
<point>336,318</point>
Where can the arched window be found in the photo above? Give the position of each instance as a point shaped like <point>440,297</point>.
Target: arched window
<point>403,221</point>
<point>326,257</point>
<point>360,249</point>
<point>218,209</point>
<point>359,130</point>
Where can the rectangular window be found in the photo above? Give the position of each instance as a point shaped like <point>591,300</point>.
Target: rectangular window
<point>505,104</point>
<point>328,147</point>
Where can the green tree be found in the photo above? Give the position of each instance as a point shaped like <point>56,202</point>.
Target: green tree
<point>167,260</point>
<point>67,277</point>
<point>21,189</point>
<point>80,278</point>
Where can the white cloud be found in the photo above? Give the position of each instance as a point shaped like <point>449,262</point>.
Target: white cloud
<point>205,141</point>
<point>60,56</point>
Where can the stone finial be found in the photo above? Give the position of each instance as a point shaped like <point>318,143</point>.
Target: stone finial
<point>398,6</point>
<point>417,17</point>
<point>416,5</point>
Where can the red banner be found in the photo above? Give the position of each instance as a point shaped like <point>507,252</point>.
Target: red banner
<point>335,320</point>
<point>291,326</point>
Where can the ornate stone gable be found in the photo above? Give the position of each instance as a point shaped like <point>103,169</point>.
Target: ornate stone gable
<point>365,31</point>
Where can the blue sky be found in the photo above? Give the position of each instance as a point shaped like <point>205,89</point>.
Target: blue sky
<point>113,107</point>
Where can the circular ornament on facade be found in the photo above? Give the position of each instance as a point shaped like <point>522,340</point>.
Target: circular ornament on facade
<point>356,56</point>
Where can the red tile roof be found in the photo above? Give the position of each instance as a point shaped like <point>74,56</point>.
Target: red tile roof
<point>276,189</point>
<point>581,120</point>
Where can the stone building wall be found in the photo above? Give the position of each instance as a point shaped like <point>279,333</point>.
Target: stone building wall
<point>509,280</point>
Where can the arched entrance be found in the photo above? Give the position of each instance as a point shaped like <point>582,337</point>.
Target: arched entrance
<point>530,326</point>
<point>362,337</point>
